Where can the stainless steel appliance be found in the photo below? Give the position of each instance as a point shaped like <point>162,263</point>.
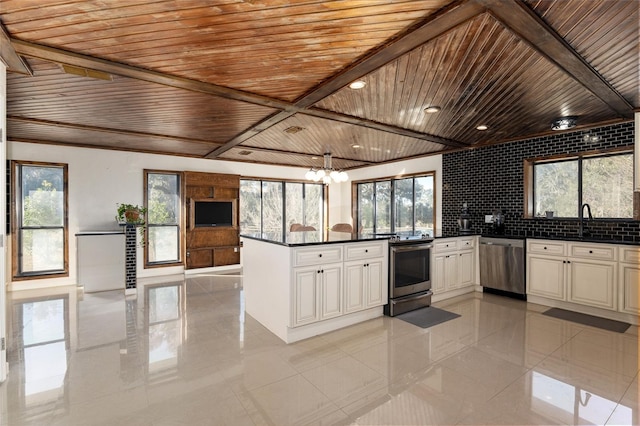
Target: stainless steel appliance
<point>502,265</point>
<point>464,222</point>
<point>409,274</point>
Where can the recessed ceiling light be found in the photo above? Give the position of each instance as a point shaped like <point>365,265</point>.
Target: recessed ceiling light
<point>358,84</point>
<point>355,145</point>
<point>432,109</point>
<point>482,127</point>
<point>564,123</point>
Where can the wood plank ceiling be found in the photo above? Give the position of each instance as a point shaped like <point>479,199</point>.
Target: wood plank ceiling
<point>267,81</point>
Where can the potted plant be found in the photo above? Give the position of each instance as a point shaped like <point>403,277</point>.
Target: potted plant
<point>132,214</point>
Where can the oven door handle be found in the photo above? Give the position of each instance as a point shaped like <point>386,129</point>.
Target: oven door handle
<point>411,248</point>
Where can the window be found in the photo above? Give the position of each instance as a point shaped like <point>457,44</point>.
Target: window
<point>404,205</point>
<point>561,186</point>
<point>39,220</point>
<point>163,200</point>
<point>272,206</point>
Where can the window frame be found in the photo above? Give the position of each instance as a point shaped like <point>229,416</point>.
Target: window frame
<point>530,179</point>
<point>16,221</point>
<point>180,223</point>
<point>355,207</point>
<point>285,226</point>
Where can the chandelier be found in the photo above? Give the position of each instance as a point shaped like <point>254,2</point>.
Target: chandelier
<point>327,174</point>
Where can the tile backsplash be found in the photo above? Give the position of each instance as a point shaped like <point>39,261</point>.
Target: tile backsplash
<point>492,177</point>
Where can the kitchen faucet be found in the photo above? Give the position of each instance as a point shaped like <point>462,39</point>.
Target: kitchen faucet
<point>582,230</point>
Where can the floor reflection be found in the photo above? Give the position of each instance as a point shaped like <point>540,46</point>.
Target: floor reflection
<point>183,352</point>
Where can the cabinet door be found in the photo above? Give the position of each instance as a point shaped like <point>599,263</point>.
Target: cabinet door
<point>466,271</point>
<point>438,276</point>
<point>374,290</point>
<point>331,291</point>
<point>305,298</point>
<point>629,300</point>
<point>451,271</point>
<point>354,275</point>
<point>593,283</point>
<point>546,277</point>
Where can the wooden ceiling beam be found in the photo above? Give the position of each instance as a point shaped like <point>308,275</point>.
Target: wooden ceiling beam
<point>106,130</point>
<point>436,25</point>
<point>287,109</point>
<point>60,56</point>
<point>349,119</point>
<point>8,55</point>
<point>524,22</point>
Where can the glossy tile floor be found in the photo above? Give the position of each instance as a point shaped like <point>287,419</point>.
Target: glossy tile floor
<point>184,353</point>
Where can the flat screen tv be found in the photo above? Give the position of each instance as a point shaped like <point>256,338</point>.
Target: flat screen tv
<point>213,213</point>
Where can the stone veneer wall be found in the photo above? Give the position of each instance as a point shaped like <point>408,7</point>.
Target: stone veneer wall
<point>492,177</point>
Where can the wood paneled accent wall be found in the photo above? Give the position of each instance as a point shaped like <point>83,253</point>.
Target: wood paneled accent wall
<point>207,247</point>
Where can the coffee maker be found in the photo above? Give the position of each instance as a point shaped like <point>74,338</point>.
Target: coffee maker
<point>464,223</point>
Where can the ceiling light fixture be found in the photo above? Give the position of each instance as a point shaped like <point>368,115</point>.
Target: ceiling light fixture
<point>358,84</point>
<point>432,109</point>
<point>327,174</point>
<point>482,127</point>
<point>564,123</point>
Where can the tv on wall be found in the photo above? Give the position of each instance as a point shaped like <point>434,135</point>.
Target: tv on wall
<point>213,213</point>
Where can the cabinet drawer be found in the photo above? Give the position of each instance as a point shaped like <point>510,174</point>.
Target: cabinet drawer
<point>446,245</point>
<point>630,255</point>
<point>363,251</point>
<point>466,243</point>
<point>316,256</point>
<point>592,251</point>
<point>546,247</point>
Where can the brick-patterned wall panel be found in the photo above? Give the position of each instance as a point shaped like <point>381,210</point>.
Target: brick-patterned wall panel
<point>492,177</point>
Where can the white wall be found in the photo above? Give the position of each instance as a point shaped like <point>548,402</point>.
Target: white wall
<point>100,179</point>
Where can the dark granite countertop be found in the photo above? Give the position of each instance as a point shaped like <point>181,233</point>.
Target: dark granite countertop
<point>590,239</point>
<point>309,238</point>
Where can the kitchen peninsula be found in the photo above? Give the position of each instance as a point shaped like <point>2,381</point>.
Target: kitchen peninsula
<point>310,284</point>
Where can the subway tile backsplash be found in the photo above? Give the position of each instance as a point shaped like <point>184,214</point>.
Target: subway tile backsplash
<point>492,177</point>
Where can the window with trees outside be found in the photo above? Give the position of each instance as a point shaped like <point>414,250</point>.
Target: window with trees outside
<point>270,207</point>
<point>396,205</point>
<point>562,186</point>
<point>40,232</point>
<point>163,201</point>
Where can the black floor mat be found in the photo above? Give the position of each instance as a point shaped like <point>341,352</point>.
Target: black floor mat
<point>427,317</point>
<point>590,320</point>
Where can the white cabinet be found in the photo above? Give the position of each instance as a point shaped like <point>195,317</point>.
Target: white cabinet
<point>328,290</point>
<point>453,264</point>
<point>546,277</point>
<point>546,272</point>
<point>365,283</point>
<point>582,273</point>
<point>317,293</point>
<point>629,280</point>
<point>592,283</point>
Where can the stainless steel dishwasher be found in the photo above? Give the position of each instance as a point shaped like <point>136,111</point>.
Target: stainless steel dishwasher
<point>502,266</point>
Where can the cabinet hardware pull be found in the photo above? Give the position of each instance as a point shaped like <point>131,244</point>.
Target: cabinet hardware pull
<point>366,251</point>
<point>320,255</point>
<point>590,251</point>
<point>545,248</point>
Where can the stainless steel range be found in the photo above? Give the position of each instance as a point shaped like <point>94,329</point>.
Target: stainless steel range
<point>409,274</point>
